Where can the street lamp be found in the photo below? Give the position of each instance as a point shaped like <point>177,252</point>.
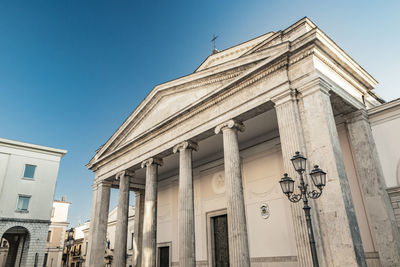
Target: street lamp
<point>69,242</point>
<point>318,177</point>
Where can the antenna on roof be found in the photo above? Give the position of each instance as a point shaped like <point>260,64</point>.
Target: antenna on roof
<point>215,50</point>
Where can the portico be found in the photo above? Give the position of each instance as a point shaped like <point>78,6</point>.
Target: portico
<point>217,141</point>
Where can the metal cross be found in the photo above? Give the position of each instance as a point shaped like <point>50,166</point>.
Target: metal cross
<point>213,39</point>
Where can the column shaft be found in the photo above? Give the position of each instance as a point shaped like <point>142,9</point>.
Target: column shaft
<point>378,206</point>
<point>122,220</point>
<point>292,140</point>
<point>92,225</point>
<point>139,213</point>
<point>99,222</point>
<point>149,245</point>
<point>237,228</point>
<point>340,243</point>
<point>187,255</point>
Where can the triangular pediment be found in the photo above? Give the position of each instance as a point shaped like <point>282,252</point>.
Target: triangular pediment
<point>168,101</point>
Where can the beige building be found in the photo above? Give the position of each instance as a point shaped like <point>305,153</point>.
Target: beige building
<point>56,233</point>
<point>28,175</point>
<point>205,153</point>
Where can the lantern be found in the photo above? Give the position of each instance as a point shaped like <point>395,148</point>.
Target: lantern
<point>299,162</point>
<point>287,184</point>
<point>318,177</point>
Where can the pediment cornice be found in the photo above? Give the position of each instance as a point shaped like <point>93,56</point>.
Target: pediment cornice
<point>221,81</point>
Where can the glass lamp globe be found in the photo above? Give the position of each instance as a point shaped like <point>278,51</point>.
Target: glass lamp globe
<point>318,177</point>
<point>287,184</point>
<point>299,162</point>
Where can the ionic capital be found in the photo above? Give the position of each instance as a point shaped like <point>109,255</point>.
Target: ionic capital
<point>186,145</point>
<point>127,173</point>
<point>231,124</point>
<point>155,161</point>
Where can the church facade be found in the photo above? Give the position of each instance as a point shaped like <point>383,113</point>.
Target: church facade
<point>204,154</point>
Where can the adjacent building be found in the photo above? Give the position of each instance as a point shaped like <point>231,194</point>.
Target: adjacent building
<point>77,255</point>
<point>56,233</point>
<point>28,176</point>
<point>204,154</point>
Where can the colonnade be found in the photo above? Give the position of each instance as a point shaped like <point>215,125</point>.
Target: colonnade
<point>308,125</point>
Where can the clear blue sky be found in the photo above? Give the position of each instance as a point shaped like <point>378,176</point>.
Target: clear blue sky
<point>72,71</point>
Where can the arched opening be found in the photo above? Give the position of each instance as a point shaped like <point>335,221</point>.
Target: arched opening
<point>15,241</point>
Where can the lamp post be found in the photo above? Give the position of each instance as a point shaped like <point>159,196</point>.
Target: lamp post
<point>318,177</point>
<point>69,243</point>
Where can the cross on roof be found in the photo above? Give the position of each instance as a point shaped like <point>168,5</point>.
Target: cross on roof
<point>213,40</point>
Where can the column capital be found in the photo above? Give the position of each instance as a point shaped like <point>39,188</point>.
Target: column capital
<point>154,160</point>
<point>128,173</point>
<point>318,84</point>
<point>231,124</point>
<point>102,183</point>
<point>357,115</point>
<point>186,145</point>
<point>285,96</point>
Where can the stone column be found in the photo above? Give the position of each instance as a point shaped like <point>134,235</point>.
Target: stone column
<point>292,140</point>
<point>99,224</point>
<point>149,245</point>
<point>122,218</point>
<point>237,229</point>
<point>91,226</point>
<point>377,202</point>
<point>139,212</point>
<point>340,241</point>
<point>187,251</point>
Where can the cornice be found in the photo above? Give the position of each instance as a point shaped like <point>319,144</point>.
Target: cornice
<point>248,78</point>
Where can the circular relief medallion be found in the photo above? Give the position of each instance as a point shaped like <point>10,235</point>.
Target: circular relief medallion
<point>265,211</point>
<point>218,183</point>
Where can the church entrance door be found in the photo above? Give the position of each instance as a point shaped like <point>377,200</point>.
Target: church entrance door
<point>220,238</point>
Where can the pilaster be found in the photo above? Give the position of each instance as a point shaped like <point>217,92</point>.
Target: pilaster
<point>377,202</point>
<point>340,241</point>
<point>292,139</point>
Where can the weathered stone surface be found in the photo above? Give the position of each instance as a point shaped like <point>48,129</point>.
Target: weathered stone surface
<point>187,250</point>
<point>377,201</point>
<point>149,242</point>
<point>237,227</point>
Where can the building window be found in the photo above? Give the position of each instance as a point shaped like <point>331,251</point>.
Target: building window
<point>132,238</point>
<point>48,236</point>
<point>29,171</point>
<point>23,203</point>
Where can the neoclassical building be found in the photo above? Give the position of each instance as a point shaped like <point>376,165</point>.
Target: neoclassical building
<point>204,154</point>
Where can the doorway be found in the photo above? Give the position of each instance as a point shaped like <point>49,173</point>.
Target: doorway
<point>220,246</point>
<point>164,254</point>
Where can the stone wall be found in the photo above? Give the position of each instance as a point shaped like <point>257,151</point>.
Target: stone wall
<point>394,194</point>
<point>35,241</point>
